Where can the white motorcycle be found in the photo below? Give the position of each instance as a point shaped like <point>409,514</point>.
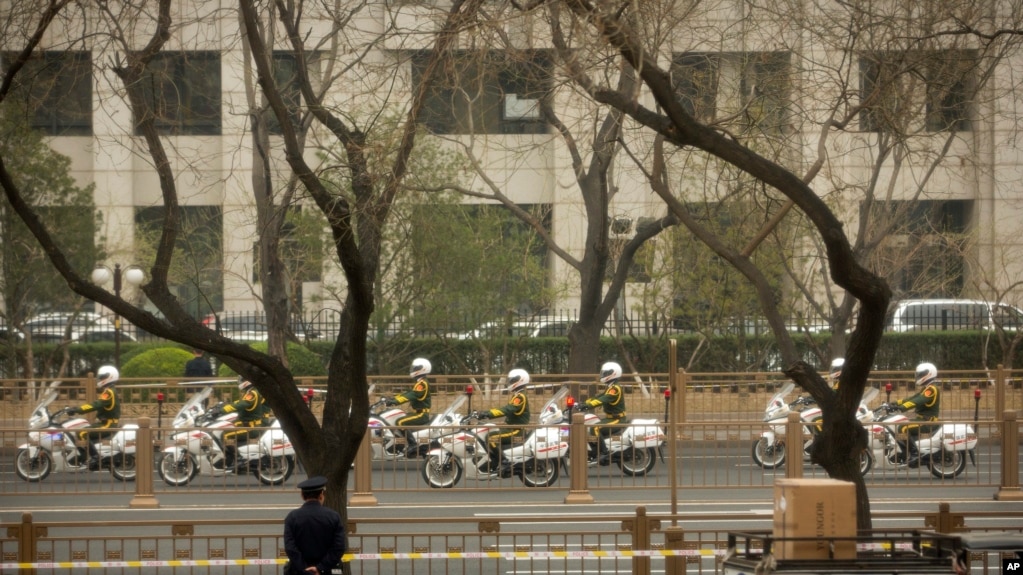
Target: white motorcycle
<point>52,445</point>
<point>943,452</point>
<point>635,450</point>
<point>387,445</point>
<point>769,450</point>
<point>199,448</point>
<point>537,460</point>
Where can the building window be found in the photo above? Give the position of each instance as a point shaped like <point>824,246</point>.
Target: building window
<point>196,275</point>
<point>898,88</point>
<point>754,88</point>
<point>183,89</point>
<point>56,90</point>
<point>493,92</point>
<point>923,256</point>
<point>285,69</point>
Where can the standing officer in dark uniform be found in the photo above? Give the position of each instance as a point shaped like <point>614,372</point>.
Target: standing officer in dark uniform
<point>198,366</point>
<point>314,536</point>
<point>107,408</point>
<point>613,402</point>
<point>418,399</point>
<point>515,413</point>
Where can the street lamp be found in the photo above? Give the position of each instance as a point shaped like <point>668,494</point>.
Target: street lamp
<point>133,275</point>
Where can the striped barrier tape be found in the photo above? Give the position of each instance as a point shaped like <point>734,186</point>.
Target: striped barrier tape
<point>582,554</point>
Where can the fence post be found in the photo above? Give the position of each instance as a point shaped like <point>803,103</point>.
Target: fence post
<point>363,494</point>
<point>144,498</point>
<point>577,490</point>
<point>1009,489</point>
<point>1001,381</point>
<point>27,541</point>
<point>641,528</point>
<point>793,447</point>
<point>674,540</point>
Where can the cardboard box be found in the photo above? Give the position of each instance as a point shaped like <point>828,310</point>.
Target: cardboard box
<point>814,509</point>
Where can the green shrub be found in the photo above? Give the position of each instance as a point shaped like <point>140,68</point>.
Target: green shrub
<point>304,363</point>
<point>158,363</point>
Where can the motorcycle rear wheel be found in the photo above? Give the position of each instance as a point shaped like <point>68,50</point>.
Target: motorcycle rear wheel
<point>275,470</point>
<point>541,472</point>
<point>178,473</point>
<point>440,475</point>
<point>947,464</point>
<point>123,467</point>
<point>33,468</point>
<point>768,456</point>
<point>637,462</point>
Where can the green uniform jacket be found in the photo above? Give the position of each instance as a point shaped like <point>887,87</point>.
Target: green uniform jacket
<point>251,407</point>
<point>613,400</point>
<point>106,406</point>
<point>927,403</point>
<point>516,412</point>
<point>418,397</point>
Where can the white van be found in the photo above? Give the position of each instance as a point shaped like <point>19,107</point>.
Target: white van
<point>952,314</point>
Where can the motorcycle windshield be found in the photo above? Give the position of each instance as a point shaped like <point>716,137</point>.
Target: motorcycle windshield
<point>780,396</point>
<point>457,403</point>
<point>555,400</point>
<point>193,407</point>
<point>869,395</point>
<point>48,396</point>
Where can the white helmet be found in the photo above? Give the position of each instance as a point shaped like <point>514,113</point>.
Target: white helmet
<point>420,367</point>
<point>243,383</point>
<point>106,375</point>
<point>836,367</point>
<point>926,373</point>
<point>610,372</point>
<point>518,379</point>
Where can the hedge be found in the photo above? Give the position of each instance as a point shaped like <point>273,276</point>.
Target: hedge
<point>953,350</point>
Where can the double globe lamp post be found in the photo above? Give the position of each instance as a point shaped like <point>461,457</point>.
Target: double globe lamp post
<point>134,276</point>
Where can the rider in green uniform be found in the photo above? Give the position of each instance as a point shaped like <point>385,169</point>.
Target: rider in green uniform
<point>418,399</point>
<point>515,413</point>
<point>613,402</point>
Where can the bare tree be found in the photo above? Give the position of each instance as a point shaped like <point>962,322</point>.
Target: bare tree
<point>355,215</point>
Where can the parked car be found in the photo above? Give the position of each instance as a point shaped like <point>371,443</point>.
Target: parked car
<point>952,314</point>
<point>525,328</point>
<point>5,332</point>
<point>251,326</point>
<point>85,327</point>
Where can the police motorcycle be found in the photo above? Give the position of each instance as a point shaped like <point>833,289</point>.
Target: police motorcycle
<point>53,446</point>
<point>943,452</point>
<point>199,447</point>
<point>465,452</point>
<point>635,450</point>
<point>388,445</point>
<point>769,450</point>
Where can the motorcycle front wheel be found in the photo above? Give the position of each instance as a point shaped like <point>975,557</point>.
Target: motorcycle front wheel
<point>637,462</point>
<point>123,467</point>
<point>178,472</point>
<point>866,461</point>
<point>275,470</point>
<point>768,456</point>
<point>33,468</point>
<point>947,464</point>
<point>541,472</point>
<point>440,474</point>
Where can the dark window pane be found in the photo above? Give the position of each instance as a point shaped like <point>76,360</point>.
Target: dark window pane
<point>184,90</point>
<point>485,93</point>
<point>56,91</point>
<point>695,77</point>
<point>285,68</point>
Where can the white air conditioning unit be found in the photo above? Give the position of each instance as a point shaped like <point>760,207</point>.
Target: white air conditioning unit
<point>516,108</point>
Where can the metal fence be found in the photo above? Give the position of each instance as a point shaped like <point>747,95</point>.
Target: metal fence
<point>597,543</point>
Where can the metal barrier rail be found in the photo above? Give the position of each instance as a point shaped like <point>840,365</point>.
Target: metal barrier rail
<point>604,544</point>
<point>713,396</point>
<point>705,455</point>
